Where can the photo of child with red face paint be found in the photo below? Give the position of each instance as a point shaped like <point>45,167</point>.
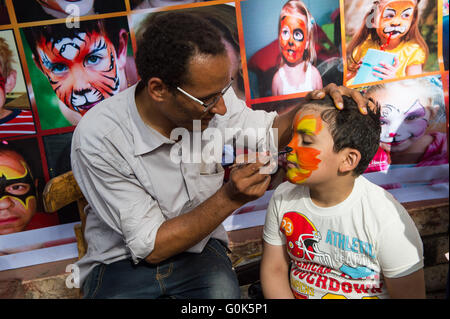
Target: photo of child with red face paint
<point>15,115</point>
<point>82,66</point>
<point>391,36</point>
<point>296,72</point>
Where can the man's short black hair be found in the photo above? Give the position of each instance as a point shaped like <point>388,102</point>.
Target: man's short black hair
<point>351,129</point>
<point>168,43</point>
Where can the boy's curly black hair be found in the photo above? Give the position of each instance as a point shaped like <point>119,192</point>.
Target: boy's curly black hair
<point>351,129</point>
<point>168,43</point>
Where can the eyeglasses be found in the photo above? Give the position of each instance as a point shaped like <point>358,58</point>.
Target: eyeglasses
<point>211,101</point>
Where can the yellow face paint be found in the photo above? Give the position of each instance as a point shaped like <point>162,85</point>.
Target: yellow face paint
<point>12,172</point>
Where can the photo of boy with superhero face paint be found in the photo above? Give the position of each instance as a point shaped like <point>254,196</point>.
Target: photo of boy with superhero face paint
<point>19,189</point>
<point>83,65</point>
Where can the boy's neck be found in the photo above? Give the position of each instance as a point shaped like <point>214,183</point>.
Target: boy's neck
<point>333,192</point>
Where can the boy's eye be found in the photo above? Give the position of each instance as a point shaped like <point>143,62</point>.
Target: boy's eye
<point>18,189</point>
<point>92,59</point>
<point>58,68</point>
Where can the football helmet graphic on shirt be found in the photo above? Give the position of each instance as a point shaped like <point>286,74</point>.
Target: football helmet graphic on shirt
<point>302,239</point>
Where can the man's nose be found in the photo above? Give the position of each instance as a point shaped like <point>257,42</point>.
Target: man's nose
<point>220,108</point>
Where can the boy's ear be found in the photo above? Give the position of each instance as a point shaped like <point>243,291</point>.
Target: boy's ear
<point>350,158</point>
<point>122,50</point>
<point>157,89</point>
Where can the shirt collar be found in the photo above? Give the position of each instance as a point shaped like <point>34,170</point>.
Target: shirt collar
<point>146,139</point>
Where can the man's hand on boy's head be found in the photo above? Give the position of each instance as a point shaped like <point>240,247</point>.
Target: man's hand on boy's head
<point>336,93</point>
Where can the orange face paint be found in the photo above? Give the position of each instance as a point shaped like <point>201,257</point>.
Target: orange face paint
<point>303,159</point>
<point>292,38</point>
<point>395,19</point>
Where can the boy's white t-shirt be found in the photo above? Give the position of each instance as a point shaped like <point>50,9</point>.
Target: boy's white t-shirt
<point>345,250</point>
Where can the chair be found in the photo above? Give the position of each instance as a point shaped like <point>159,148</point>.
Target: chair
<point>63,190</point>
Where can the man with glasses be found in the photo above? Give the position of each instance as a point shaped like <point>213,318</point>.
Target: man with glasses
<point>153,224</point>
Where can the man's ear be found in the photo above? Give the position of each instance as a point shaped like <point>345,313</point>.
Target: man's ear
<point>10,81</point>
<point>122,49</point>
<point>157,89</point>
<point>350,158</point>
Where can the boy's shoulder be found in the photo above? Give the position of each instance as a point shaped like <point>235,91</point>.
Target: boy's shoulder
<point>380,200</point>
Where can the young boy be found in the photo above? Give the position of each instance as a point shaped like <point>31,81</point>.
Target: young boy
<point>16,121</point>
<point>329,232</point>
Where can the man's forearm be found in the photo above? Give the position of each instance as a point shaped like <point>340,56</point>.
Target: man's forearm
<point>182,232</point>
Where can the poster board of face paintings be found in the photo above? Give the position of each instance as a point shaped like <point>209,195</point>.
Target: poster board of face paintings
<point>59,59</point>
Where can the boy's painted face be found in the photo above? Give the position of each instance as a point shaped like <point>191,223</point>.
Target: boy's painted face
<point>395,19</point>
<point>304,159</point>
<point>293,38</point>
<point>82,70</point>
<point>60,5</point>
<point>17,194</point>
<point>404,119</point>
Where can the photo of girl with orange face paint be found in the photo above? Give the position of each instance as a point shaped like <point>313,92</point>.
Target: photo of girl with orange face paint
<point>396,27</point>
<point>83,66</point>
<point>291,46</point>
<point>296,38</point>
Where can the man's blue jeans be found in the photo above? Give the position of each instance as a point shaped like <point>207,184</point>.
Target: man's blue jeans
<point>208,275</point>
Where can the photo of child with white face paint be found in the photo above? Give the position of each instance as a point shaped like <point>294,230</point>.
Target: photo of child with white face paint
<point>412,122</point>
<point>296,39</point>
